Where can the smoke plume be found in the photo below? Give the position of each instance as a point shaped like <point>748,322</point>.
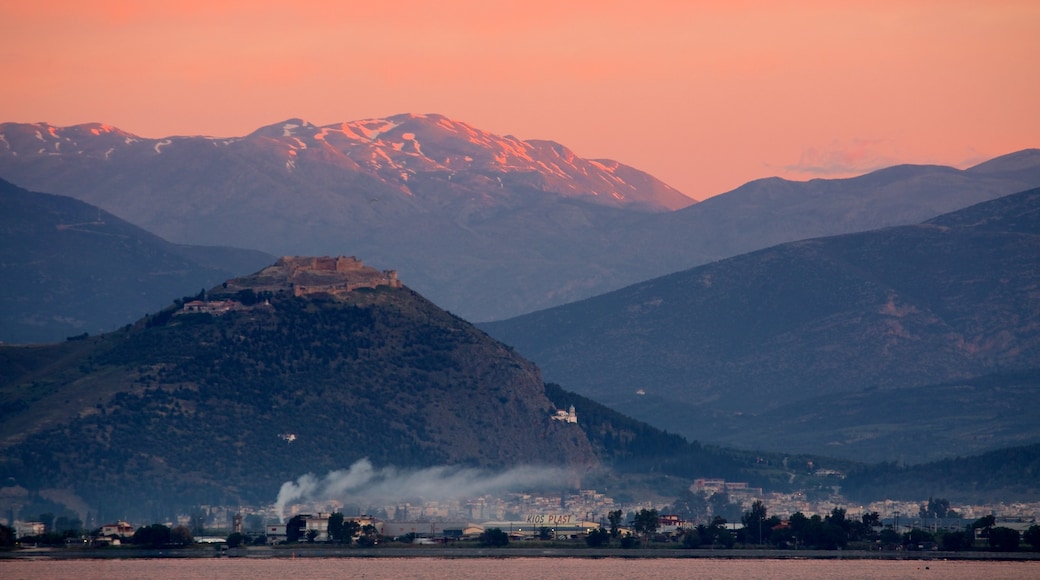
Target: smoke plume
<point>363,482</point>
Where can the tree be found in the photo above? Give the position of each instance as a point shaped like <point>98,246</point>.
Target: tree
<point>721,506</point>
<point>957,541</point>
<point>494,537</point>
<point>838,519</point>
<point>335,525</point>
<point>614,518</point>
<point>311,535</point>
<point>916,538</point>
<point>716,533</point>
<point>1032,536</point>
<point>629,542</point>
<point>368,535</point>
<point>865,528</point>
<point>985,524</point>
<point>646,522</point>
<point>294,529</point>
<point>890,537</point>
<point>754,520</point>
<point>689,506</point>
<point>181,535</point>
<point>6,535</point>
<point>692,537</point>
<point>235,540</point>
<point>545,533</point>
<point>153,536</point>
<point>598,537</point>
<point>1003,539</point>
<point>342,530</point>
<point>872,519</point>
<point>351,528</point>
<point>198,520</point>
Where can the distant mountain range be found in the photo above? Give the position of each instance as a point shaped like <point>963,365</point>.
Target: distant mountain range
<point>912,342</point>
<point>486,226</point>
<point>69,268</point>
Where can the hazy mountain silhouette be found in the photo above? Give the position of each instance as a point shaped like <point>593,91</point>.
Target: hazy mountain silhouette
<point>486,226</point>
<point>832,345</point>
<point>69,268</point>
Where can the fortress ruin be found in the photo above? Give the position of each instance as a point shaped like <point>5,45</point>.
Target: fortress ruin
<point>305,275</point>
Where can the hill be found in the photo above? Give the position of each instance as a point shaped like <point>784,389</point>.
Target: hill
<point>746,350</point>
<point>1001,475</point>
<point>771,211</point>
<point>69,268</point>
<point>221,400</point>
<point>487,226</point>
<point>312,365</point>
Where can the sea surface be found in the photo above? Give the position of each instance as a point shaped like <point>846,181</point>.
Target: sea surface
<point>514,568</point>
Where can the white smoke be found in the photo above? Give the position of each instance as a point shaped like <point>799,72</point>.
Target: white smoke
<point>362,482</point>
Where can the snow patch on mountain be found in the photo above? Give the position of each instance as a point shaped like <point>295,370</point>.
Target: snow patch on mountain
<point>397,151</point>
<point>372,129</point>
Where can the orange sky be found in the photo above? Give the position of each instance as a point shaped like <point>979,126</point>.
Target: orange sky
<point>704,95</point>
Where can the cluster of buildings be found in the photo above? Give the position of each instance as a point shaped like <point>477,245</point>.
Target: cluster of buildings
<point>524,515</point>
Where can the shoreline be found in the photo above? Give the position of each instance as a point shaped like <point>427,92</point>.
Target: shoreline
<point>440,552</point>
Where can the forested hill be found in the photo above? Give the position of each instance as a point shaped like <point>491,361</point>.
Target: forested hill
<point>631,447</point>
<point>225,407</point>
<point>998,476</point>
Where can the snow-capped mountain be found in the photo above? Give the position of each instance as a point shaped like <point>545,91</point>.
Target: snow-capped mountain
<point>487,226</point>
<point>403,147</point>
<point>396,150</point>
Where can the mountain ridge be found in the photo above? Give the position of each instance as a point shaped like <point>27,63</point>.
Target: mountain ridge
<point>70,268</point>
<point>487,226</point>
<point>714,347</point>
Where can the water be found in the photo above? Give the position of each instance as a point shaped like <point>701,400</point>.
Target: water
<point>515,568</point>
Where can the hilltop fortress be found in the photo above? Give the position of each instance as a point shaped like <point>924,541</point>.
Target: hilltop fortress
<point>303,275</point>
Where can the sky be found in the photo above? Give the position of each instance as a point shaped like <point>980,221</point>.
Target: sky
<point>705,95</point>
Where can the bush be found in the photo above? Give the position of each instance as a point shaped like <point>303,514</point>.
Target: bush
<point>956,541</point>
<point>597,538</point>
<point>153,536</point>
<point>629,542</point>
<point>181,535</point>
<point>235,540</point>
<point>494,537</point>
<point>1032,536</point>
<point>1003,539</point>
<point>691,539</point>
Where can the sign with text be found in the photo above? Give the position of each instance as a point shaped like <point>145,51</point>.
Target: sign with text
<point>552,519</point>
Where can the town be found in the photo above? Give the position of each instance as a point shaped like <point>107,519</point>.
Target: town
<point>714,513</point>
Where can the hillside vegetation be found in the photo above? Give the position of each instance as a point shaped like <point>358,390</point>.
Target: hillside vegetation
<point>205,408</point>
<point>815,346</point>
<point>68,268</point>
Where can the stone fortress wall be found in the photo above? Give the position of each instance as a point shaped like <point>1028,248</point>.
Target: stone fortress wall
<point>305,275</point>
<point>333,275</point>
